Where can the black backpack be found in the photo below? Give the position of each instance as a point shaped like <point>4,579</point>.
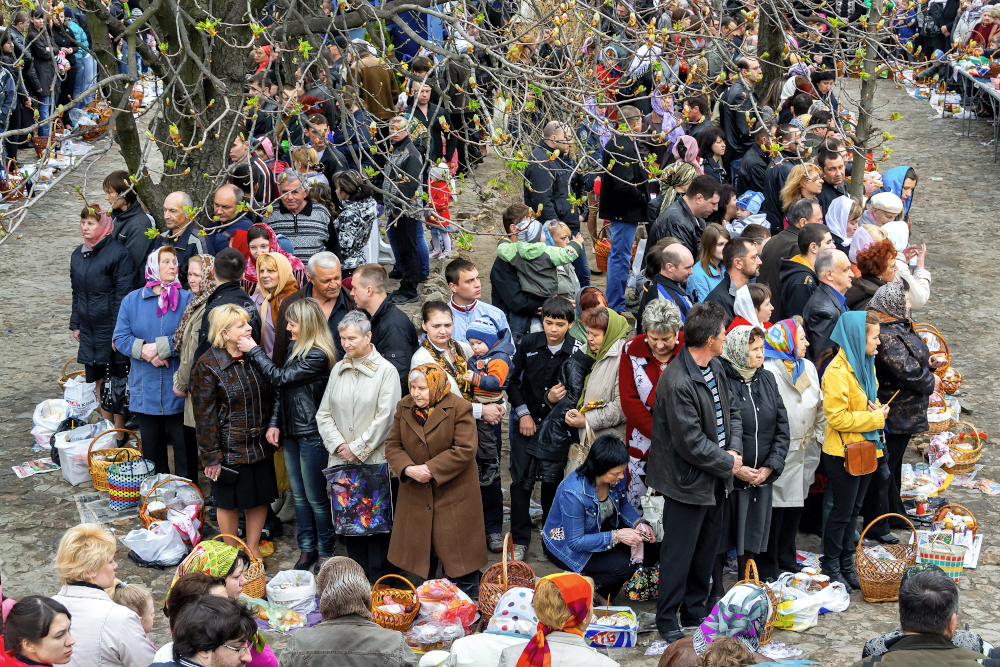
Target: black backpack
<point>932,20</point>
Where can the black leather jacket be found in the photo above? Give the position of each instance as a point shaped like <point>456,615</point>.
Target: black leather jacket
<point>298,389</point>
<point>552,438</point>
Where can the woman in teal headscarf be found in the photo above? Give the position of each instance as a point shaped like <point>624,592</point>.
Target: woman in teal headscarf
<point>901,182</point>
<point>853,414</point>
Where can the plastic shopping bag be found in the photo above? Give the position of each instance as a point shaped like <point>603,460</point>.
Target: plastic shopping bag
<point>46,419</point>
<point>81,397</point>
<point>800,610</point>
<point>295,589</point>
<point>73,446</point>
<point>161,543</point>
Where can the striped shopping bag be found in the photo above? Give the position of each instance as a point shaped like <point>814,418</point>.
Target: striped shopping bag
<point>949,557</point>
<point>124,481</point>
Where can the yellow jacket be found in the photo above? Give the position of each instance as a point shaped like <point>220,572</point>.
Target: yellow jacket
<point>846,408</point>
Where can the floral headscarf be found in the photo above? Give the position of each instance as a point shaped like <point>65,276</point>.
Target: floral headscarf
<point>211,557</point>
<point>578,595</point>
<point>250,273</point>
<point>171,291</point>
<point>675,175</point>
<point>437,383</point>
<point>890,299</point>
<point>781,343</point>
<point>669,123</point>
<point>736,350</point>
<point>208,285</point>
<point>742,615</point>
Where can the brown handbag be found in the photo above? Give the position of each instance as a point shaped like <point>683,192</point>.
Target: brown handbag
<point>860,458</point>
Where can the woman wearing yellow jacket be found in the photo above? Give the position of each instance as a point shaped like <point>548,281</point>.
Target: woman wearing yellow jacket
<point>850,403</point>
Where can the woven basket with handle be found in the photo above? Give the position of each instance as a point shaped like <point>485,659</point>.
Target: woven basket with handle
<point>965,459</point>
<point>503,576</point>
<point>751,577</point>
<point>102,459</point>
<point>389,620</point>
<point>880,579</point>
<point>12,187</point>
<point>161,515</point>
<point>602,248</point>
<point>254,574</point>
<point>930,333</point>
<point>65,376</point>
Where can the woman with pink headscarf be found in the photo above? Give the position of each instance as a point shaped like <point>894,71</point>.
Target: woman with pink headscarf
<point>101,272</point>
<point>686,150</point>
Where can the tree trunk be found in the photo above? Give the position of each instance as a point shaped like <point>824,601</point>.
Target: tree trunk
<point>866,129</point>
<point>770,41</point>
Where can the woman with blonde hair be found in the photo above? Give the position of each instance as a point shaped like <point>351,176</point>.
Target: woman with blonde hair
<point>107,634</point>
<point>277,283</point>
<point>305,160</point>
<point>231,406</point>
<point>708,270</point>
<point>298,389</point>
<point>805,181</point>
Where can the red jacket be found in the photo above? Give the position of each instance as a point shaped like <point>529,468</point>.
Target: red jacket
<point>440,195</point>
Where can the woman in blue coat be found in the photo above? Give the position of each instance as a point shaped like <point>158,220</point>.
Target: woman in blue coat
<point>592,528</point>
<point>147,320</point>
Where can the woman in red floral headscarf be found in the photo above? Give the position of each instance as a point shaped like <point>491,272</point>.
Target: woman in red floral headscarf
<point>260,239</point>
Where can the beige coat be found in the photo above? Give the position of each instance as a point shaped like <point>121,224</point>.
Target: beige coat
<point>806,423</point>
<point>566,649</point>
<point>603,384</point>
<point>106,634</point>
<point>182,376</point>
<point>358,406</point>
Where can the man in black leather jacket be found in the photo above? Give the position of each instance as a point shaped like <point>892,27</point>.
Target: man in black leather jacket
<point>684,219</point>
<point>735,103</point>
<point>827,303</point>
<point>403,177</point>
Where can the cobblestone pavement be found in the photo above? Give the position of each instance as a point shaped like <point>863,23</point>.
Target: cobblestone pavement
<point>954,213</point>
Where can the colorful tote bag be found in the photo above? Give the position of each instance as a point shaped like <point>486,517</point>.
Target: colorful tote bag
<point>360,498</point>
<point>124,481</point>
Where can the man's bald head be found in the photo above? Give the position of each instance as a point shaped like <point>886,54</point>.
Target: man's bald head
<point>833,268</point>
<point>677,263</point>
<point>227,201</point>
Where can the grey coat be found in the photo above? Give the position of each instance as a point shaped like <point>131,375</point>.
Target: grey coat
<point>347,641</point>
<point>685,460</point>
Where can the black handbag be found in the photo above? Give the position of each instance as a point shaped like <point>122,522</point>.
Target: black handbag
<point>114,393</point>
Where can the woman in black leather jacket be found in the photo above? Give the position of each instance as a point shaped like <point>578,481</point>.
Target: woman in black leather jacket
<point>298,389</point>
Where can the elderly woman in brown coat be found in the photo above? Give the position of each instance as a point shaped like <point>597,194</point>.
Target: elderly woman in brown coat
<point>432,448</point>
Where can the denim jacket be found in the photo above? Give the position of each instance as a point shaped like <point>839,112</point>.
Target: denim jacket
<point>573,531</point>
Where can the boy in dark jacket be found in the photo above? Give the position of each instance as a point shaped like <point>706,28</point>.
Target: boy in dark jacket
<point>533,390</point>
<point>487,374</point>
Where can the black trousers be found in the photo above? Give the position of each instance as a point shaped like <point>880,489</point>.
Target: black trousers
<point>371,553</point>
<point>780,554</point>
<point>409,259</point>
<point>520,497</point>
<point>191,452</point>
<point>687,555</point>
<point>848,493</point>
<point>883,491</point>
<point>157,433</point>
<point>611,569</point>
<point>468,583</point>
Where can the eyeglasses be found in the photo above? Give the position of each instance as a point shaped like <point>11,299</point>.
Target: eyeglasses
<point>243,649</point>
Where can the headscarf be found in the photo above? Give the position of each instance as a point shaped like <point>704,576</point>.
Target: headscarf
<point>208,285</point>
<point>455,369</point>
<point>437,383</point>
<point>250,273</point>
<point>669,123</point>
<point>690,155</point>
<point>168,298</point>
<point>618,329</point>
<point>211,557</point>
<point>837,216</point>
<point>792,88</point>
<point>898,232</point>
<point>890,299</point>
<point>744,306</point>
<point>736,350</point>
<point>676,174</point>
<point>741,614</point>
<point>343,589</point>
<point>892,181</point>
<point>781,342</point>
<point>264,65</point>
<point>861,240</point>
<point>851,336</point>
<point>515,613</point>
<point>644,57</point>
<point>285,288</point>
<point>104,226</point>
<point>578,595</point>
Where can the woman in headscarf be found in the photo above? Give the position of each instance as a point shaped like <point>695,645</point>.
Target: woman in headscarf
<point>752,307</point>
<point>747,514</point>
<point>201,281</point>
<point>686,150</point>
<point>902,364</point>
<point>261,239</point>
<point>345,602</point>
<point>842,219</point>
<point>277,283</point>
<point>919,279</point>
<point>853,414</point>
<point>785,347</point>
<point>147,321</point>
<point>599,409</point>
<point>101,275</point>
<point>674,180</point>
<point>262,57</point>
<point>513,621</point>
<point>793,86</point>
<point>902,181</point>
<point>988,26</point>
<point>433,438</point>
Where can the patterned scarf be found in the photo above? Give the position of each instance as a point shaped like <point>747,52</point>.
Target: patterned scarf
<point>208,286</point>
<point>780,343</point>
<point>675,175</point>
<point>250,274</point>
<point>889,300</point>
<point>455,369</point>
<point>170,293</point>
<point>742,615</point>
<point>211,557</point>
<point>343,589</point>
<point>578,594</point>
<point>437,383</point>
<point>736,350</point>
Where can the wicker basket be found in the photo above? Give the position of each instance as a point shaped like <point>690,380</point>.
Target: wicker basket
<point>254,574</point>
<point>951,384</point>
<point>602,248</point>
<point>65,376</point>
<point>880,578</point>
<point>160,515</point>
<point>751,577</point>
<point>501,577</point>
<point>12,187</point>
<point>957,510</point>
<point>101,108</point>
<point>965,459</point>
<point>102,459</point>
<point>390,621</point>
<point>929,331</point>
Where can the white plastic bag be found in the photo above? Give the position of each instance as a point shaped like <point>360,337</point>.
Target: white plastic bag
<point>73,447</point>
<point>652,511</point>
<point>802,611</point>
<point>172,485</point>
<point>46,419</point>
<point>295,589</point>
<point>161,543</point>
<point>81,397</point>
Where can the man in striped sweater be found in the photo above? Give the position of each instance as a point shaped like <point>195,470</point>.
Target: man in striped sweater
<point>304,222</point>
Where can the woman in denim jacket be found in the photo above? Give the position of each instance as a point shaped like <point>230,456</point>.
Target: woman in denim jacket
<point>592,529</point>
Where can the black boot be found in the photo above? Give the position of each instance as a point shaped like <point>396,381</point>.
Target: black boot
<point>831,568</point>
<point>847,570</point>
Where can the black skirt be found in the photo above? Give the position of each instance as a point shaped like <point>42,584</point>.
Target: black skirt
<point>255,486</point>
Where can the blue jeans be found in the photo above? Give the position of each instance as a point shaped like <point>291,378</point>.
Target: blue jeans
<point>422,251</point>
<point>86,76</point>
<point>622,238</point>
<point>734,171</point>
<point>43,113</point>
<point>582,269</point>
<point>305,459</point>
